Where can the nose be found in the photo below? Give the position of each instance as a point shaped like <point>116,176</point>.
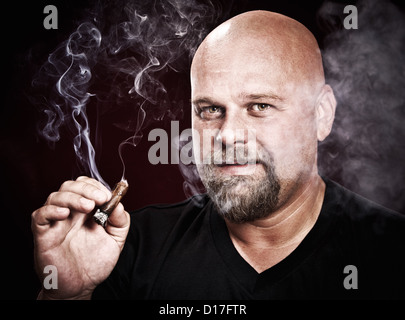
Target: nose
<point>234,130</point>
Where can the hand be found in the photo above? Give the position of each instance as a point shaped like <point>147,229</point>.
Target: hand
<point>65,235</point>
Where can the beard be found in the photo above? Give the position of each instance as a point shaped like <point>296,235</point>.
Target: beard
<point>242,198</point>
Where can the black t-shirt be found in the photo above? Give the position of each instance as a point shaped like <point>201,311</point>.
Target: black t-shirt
<point>356,249</point>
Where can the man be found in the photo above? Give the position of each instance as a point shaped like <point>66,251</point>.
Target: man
<point>269,226</point>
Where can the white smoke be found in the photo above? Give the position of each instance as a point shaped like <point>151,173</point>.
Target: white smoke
<point>120,53</point>
<point>117,59</point>
<point>365,66</point>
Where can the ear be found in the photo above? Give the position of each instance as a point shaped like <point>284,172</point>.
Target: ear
<point>326,106</point>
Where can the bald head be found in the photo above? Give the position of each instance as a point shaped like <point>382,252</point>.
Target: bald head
<point>263,39</point>
<point>259,72</point>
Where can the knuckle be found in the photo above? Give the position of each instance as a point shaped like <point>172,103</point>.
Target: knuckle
<point>65,185</point>
<point>81,178</point>
<point>86,187</point>
<point>35,214</point>
<point>36,217</point>
<point>50,198</point>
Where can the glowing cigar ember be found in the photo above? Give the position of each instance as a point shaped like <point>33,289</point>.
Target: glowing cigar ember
<point>107,208</point>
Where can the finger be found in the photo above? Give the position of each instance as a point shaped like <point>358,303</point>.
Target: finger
<point>71,200</point>
<point>87,189</point>
<point>94,182</point>
<point>48,214</point>
<point>119,218</point>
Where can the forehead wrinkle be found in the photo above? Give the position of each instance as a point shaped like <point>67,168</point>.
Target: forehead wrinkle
<point>259,96</point>
<point>243,96</point>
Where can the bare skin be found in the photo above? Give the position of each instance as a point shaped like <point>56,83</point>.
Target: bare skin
<point>266,242</point>
<point>66,236</point>
<point>263,71</point>
<point>272,84</point>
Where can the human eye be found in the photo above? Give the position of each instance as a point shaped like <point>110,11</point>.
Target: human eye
<point>210,112</point>
<point>212,109</point>
<point>260,107</point>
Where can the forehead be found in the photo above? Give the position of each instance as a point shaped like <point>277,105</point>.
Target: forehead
<point>257,51</point>
<point>243,69</point>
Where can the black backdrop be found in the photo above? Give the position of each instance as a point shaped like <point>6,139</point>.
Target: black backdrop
<point>31,169</point>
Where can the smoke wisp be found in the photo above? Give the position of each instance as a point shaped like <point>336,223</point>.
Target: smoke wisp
<point>115,61</point>
<point>365,67</point>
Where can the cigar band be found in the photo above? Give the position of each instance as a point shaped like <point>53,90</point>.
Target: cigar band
<point>100,217</point>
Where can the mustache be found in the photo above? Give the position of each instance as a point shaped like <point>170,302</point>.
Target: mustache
<point>238,156</point>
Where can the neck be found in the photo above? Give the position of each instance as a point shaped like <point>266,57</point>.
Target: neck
<point>285,228</point>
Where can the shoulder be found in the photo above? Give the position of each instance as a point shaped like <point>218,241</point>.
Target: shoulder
<point>363,215</point>
<point>370,237</point>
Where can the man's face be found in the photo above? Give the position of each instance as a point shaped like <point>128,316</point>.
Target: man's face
<point>252,97</point>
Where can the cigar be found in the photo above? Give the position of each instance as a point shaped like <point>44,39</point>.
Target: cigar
<point>107,208</point>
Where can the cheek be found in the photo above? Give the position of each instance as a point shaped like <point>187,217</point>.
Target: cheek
<point>292,143</point>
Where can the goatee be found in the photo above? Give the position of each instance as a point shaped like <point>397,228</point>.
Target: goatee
<point>243,198</point>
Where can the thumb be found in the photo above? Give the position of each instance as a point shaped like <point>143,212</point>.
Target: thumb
<point>118,222</point>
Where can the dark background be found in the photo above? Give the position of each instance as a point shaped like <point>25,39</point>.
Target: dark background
<point>31,169</point>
